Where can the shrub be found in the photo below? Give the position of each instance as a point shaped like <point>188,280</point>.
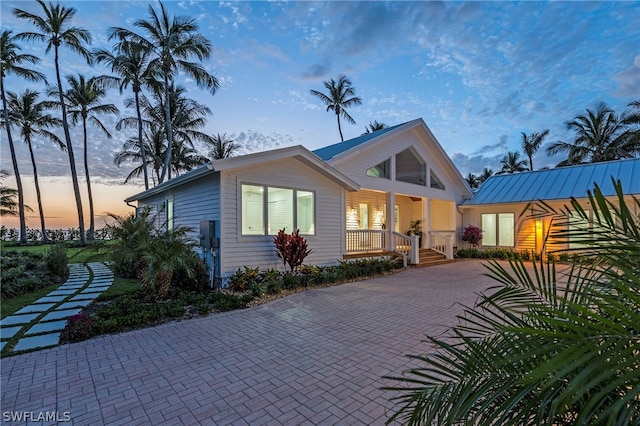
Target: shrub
<point>292,249</point>
<point>227,302</point>
<point>79,327</point>
<point>472,235</point>
<point>56,260</point>
<point>243,280</point>
<point>24,272</point>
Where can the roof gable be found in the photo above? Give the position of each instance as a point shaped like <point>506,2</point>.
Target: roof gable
<point>559,183</point>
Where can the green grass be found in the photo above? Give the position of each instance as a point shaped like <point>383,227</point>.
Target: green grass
<point>120,287</point>
<point>75,254</point>
<point>10,306</point>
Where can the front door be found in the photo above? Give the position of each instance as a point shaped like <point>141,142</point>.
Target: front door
<point>364,216</point>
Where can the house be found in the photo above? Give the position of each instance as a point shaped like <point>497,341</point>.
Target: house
<point>354,197</point>
<point>498,206</point>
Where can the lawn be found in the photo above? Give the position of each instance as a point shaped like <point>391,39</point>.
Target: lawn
<point>75,254</point>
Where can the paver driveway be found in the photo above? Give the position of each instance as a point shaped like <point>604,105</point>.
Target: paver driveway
<point>316,357</point>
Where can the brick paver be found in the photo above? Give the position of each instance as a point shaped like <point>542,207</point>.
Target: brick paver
<point>316,357</point>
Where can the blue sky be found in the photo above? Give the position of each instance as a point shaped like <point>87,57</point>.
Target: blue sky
<point>478,73</point>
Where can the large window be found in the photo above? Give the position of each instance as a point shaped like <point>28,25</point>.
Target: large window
<point>498,230</point>
<point>286,208</point>
<point>410,168</point>
<point>382,170</point>
<point>579,229</point>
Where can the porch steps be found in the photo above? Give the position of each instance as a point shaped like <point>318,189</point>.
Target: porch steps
<point>429,257</point>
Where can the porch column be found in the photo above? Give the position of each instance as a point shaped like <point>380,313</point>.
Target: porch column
<point>426,214</point>
<point>391,221</point>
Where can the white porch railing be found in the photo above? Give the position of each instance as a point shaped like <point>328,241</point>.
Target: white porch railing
<point>374,240</point>
<point>442,242</point>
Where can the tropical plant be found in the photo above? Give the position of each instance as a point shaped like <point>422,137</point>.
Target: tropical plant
<point>486,174</point>
<point>542,346</point>
<point>55,30</point>
<point>511,163</point>
<point>340,96</point>
<point>153,154</point>
<point>531,144</point>
<point>11,62</point>
<point>374,127</point>
<point>171,42</point>
<point>472,235</point>
<point>8,203</point>
<point>131,63</point>
<point>291,248</point>
<point>222,147</point>
<point>84,100</point>
<point>600,135</point>
<point>31,118</point>
<point>472,180</point>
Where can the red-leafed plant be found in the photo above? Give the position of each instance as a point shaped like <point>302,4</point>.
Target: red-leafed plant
<point>472,235</point>
<point>291,248</point>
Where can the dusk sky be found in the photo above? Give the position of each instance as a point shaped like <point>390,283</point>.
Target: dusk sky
<point>478,73</point>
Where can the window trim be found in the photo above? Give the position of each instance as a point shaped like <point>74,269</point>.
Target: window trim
<point>265,209</point>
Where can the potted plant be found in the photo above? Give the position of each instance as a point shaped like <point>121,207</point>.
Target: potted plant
<point>415,228</point>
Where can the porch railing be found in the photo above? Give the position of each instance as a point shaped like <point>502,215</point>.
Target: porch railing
<point>374,240</point>
<point>442,242</point>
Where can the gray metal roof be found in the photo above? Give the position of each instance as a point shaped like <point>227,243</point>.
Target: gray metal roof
<point>559,183</point>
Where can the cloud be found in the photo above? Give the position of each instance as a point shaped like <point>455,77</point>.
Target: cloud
<point>255,141</point>
<point>316,72</point>
<point>629,80</point>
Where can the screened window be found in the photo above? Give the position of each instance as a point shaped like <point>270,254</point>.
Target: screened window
<point>498,229</point>
<point>410,168</point>
<point>382,170</point>
<point>435,181</point>
<point>283,208</point>
<point>252,210</point>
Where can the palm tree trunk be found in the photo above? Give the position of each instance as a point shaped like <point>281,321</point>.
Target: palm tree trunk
<point>45,237</point>
<point>72,160</point>
<point>167,112</point>
<point>91,233</point>
<point>141,143</point>
<point>340,128</point>
<point>530,163</point>
<point>16,171</point>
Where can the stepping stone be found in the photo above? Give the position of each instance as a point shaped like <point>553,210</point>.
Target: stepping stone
<point>49,299</point>
<point>74,304</point>
<point>77,282</point>
<point>46,327</point>
<point>100,283</point>
<point>43,341</point>
<point>71,287</point>
<point>61,293</point>
<point>86,296</point>
<point>56,315</point>
<point>92,290</point>
<point>101,287</point>
<point>42,307</point>
<point>18,319</point>
<point>9,332</point>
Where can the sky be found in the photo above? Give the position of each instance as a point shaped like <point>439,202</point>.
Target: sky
<point>478,73</point>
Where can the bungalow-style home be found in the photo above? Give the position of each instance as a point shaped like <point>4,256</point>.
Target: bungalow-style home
<point>497,206</point>
<point>357,197</point>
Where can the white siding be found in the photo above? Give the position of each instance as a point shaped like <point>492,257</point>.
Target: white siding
<point>258,251</point>
<point>442,215</point>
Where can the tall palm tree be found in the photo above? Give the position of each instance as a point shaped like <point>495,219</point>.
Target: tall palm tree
<point>374,127</point>
<point>154,148</point>
<point>11,61</point>
<point>340,96</point>
<point>600,135</point>
<point>8,198</point>
<point>222,147</point>
<point>472,180</point>
<point>31,118</point>
<point>55,29</point>
<point>511,163</point>
<point>84,99</point>
<point>131,63</point>
<point>531,144</point>
<point>171,42</point>
<point>486,174</point>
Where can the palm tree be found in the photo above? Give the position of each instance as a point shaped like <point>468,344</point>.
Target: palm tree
<point>600,135</point>
<point>531,144</point>
<point>544,347</point>
<point>154,148</point>
<point>340,96</point>
<point>486,174</point>
<point>472,180</point>
<point>131,63</point>
<point>55,30</point>
<point>84,99</point>
<point>8,202</point>
<point>11,61</point>
<point>511,163</point>
<point>31,118</point>
<point>374,127</point>
<point>171,42</point>
<point>222,147</point>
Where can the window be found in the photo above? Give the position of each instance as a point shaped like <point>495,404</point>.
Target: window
<point>498,229</point>
<point>169,217</point>
<point>286,208</point>
<point>382,170</point>
<point>410,168</point>
<point>577,228</point>
<point>435,181</point>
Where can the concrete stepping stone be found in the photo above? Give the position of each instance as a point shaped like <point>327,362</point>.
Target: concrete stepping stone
<point>46,327</point>
<point>74,304</point>
<point>71,287</point>
<point>18,319</point>
<point>61,293</point>
<point>42,307</point>
<point>91,290</point>
<point>85,296</point>
<point>49,299</point>
<point>42,341</point>
<point>56,315</point>
<point>9,332</point>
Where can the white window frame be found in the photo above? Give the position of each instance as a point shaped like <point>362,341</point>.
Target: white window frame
<point>496,235</point>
